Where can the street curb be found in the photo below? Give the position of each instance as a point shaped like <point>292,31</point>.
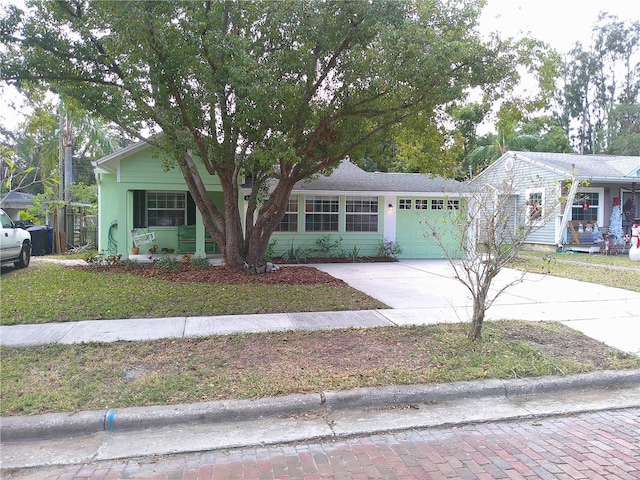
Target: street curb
<point>60,425</point>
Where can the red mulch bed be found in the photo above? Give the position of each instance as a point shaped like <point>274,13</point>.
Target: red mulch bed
<point>183,272</point>
<point>294,275</point>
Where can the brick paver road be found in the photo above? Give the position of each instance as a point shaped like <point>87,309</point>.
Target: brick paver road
<point>592,446</point>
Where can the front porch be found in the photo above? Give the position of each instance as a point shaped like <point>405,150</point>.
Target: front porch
<point>587,237</point>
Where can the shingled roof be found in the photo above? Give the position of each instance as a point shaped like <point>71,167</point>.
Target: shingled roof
<point>348,177</point>
<point>600,166</point>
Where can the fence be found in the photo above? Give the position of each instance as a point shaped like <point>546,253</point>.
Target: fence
<point>81,230</point>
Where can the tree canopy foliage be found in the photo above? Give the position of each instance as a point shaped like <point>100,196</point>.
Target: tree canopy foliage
<point>274,91</point>
<point>598,99</point>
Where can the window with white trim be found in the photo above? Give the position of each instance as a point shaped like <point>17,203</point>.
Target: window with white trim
<point>321,213</point>
<point>361,214</point>
<point>535,205</point>
<point>166,209</point>
<point>404,204</point>
<point>585,206</point>
<point>422,204</point>
<point>437,204</point>
<point>453,204</point>
<point>289,222</point>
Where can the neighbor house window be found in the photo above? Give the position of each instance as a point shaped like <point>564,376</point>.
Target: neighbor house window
<point>453,204</point>
<point>437,204</point>
<point>361,214</point>
<point>585,206</point>
<point>422,204</point>
<point>535,200</point>
<point>289,222</point>
<point>166,209</point>
<point>321,214</point>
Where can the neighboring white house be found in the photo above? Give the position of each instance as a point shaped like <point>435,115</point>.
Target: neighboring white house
<point>582,190</point>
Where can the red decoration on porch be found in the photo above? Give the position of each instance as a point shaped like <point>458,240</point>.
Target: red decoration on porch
<point>616,200</point>
<point>585,206</point>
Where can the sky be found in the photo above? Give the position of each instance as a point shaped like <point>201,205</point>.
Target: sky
<point>558,22</point>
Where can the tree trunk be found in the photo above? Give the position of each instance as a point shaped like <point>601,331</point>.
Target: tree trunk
<point>68,173</point>
<point>270,215</point>
<point>479,311</point>
<point>67,144</point>
<point>238,247</point>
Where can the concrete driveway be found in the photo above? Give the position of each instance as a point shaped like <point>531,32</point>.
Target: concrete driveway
<point>426,290</point>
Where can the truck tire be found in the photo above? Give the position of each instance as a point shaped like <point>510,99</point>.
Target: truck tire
<point>25,256</point>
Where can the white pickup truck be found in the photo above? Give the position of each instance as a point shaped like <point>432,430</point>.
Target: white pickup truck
<point>15,243</point>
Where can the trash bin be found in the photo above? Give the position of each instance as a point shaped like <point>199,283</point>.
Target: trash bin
<point>41,239</point>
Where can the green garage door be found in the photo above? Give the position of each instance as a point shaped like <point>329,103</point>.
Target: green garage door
<point>412,217</point>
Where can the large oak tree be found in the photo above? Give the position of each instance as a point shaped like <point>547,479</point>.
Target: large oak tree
<point>270,91</point>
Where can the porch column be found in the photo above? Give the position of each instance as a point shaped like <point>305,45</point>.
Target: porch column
<point>564,220</point>
<point>124,237</point>
<point>200,233</point>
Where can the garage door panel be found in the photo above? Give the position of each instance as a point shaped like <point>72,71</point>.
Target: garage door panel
<point>412,232</point>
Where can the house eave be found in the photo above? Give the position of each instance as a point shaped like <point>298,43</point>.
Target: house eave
<point>615,180</point>
<point>98,169</point>
<point>377,193</point>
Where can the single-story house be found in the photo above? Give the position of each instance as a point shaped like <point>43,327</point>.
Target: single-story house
<point>141,203</point>
<point>13,202</point>
<point>587,194</point>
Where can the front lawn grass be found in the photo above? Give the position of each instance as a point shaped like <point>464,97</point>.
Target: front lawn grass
<point>53,293</point>
<point>96,376</point>
<point>610,270</point>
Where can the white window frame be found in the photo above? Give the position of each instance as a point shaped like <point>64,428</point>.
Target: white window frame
<point>587,190</point>
<point>537,209</point>
<point>330,208</point>
<point>361,206</point>
<point>405,204</point>
<point>291,216</point>
<point>422,204</point>
<point>437,204</point>
<point>175,222</point>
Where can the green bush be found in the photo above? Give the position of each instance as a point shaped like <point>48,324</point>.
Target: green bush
<point>296,254</point>
<point>389,249</point>
<point>168,263</point>
<point>354,253</point>
<point>328,247</point>
<point>130,264</point>
<point>269,254</point>
<point>200,262</point>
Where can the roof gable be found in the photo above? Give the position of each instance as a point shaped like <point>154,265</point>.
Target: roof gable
<point>348,177</point>
<point>586,165</point>
<point>110,162</point>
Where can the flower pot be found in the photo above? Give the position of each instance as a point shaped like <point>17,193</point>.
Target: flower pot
<point>135,251</point>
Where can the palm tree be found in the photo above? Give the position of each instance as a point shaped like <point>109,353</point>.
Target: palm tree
<point>89,135</point>
<point>483,155</point>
